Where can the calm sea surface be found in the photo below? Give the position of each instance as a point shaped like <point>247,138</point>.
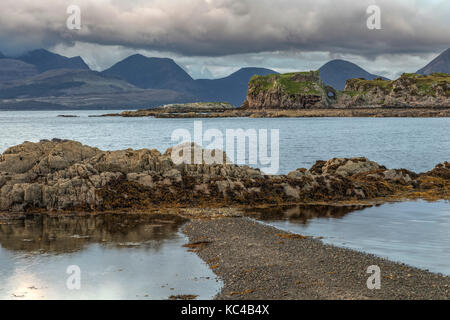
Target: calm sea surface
<point>414,144</point>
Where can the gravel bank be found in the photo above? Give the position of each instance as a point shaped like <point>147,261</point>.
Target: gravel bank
<point>256,261</point>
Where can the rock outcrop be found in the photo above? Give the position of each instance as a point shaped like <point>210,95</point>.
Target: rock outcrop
<point>180,110</point>
<point>306,91</point>
<point>410,90</point>
<point>301,90</point>
<point>66,175</point>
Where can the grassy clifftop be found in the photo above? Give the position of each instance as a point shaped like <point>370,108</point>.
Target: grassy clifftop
<point>424,85</point>
<point>307,83</point>
<point>410,90</point>
<point>298,90</point>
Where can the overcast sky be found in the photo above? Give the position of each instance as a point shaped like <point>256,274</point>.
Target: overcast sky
<point>212,38</point>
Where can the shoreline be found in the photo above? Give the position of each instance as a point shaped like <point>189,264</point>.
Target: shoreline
<point>257,261</point>
<point>293,113</point>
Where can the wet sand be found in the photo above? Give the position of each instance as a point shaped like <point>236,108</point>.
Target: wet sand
<point>257,261</point>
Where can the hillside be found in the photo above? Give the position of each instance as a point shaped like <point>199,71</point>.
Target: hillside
<point>336,72</point>
<point>45,60</point>
<point>439,65</point>
<point>81,89</point>
<point>11,69</point>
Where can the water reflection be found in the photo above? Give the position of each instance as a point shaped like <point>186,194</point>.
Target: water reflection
<point>302,214</point>
<point>120,257</point>
<point>69,233</point>
<point>415,232</point>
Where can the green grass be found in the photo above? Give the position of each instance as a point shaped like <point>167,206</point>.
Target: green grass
<point>288,83</point>
<point>426,85</point>
<point>350,93</point>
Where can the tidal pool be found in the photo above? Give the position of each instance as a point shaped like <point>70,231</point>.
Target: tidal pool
<point>119,256</point>
<point>416,233</point>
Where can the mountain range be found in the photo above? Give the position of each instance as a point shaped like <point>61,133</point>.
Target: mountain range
<point>41,79</point>
<point>44,60</point>
<point>81,89</point>
<point>164,73</point>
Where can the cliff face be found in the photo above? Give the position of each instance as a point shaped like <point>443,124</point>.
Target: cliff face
<point>305,90</point>
<point>302,90</point>
<point>410,90</point>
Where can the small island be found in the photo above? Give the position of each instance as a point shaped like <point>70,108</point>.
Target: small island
<point>303,94</point>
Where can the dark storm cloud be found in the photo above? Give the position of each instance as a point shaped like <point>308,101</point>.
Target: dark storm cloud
<point>225,27</point>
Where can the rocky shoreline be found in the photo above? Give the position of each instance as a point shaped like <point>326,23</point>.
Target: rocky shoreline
<point>295,113</point>
<point>303,94</point>
<point>257,261</point>
<point>64,175</point>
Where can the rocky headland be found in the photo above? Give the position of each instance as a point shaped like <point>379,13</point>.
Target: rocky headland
<point>408,91</point>
<point>63,175</point>
<point>301,90</point>
<point>303,94</point>
<point>307,91</point>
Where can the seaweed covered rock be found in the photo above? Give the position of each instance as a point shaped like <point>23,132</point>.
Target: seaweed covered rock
<point>66,175</point>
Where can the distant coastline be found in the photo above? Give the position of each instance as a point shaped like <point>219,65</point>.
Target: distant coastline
<point>304,94</point>
<point>299,113</point>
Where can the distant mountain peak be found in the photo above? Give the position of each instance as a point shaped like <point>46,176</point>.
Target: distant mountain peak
<point>45,60</point>
<point>145,72</point>
<point>253,69</point>
<point>139,57</point>
<point>336,72</point>
<point>439,64</point>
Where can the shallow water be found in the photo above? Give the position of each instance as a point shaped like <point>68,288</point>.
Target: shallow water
<point>416,233</point>
<point>120,257</point>
<point>416,144</point>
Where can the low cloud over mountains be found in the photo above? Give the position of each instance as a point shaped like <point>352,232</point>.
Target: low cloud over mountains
<point>226,27</point>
